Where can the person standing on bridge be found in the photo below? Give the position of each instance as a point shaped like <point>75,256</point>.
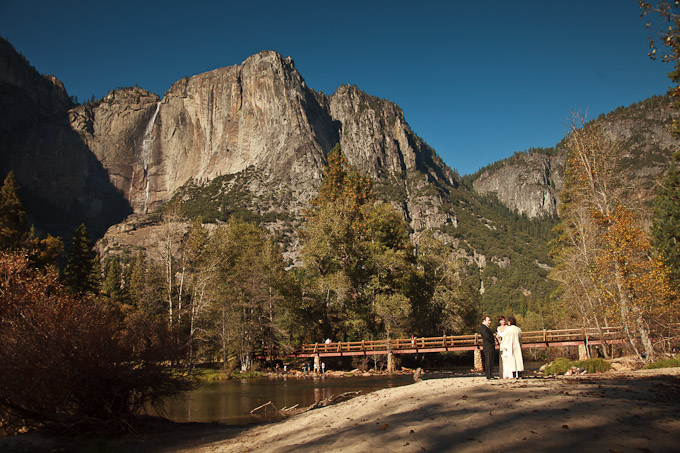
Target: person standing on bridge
<point>511,349</point>
<point>488,346</point>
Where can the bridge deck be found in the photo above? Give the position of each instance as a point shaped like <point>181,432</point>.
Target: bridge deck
<point>532,339</point>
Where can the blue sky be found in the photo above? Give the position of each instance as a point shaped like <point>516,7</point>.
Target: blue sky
<point>477,80</point>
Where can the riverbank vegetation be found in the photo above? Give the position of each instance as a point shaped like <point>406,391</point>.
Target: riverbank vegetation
<point>563,365</point>
<point>672,362</point>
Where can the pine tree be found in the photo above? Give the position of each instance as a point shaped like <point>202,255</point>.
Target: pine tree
<point>14,231</point>
<point>355,255</point>
<point>137,281</point>
<point>82,272</point>
<point>342,183</point>
<point>112,283</point>
<point>666,221</point>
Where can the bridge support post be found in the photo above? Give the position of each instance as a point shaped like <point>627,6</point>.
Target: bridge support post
<point>317,363</point>
<point>582,352</point>
<point>478,360</point>
<point>390,362</point>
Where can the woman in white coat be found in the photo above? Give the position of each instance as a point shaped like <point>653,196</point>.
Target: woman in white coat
<point>511,350</point>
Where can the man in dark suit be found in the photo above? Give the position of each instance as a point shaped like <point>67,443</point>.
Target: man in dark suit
<point>488,346</point>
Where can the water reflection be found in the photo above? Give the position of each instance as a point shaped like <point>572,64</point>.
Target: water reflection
<point>230,402</point>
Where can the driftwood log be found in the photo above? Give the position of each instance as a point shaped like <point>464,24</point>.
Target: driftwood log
<point>287,411</point>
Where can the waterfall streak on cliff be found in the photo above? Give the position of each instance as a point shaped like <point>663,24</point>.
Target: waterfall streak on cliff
<point>132,185</point>
<point>147,148</point>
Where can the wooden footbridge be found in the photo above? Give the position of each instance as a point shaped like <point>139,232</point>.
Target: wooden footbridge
<point>532,339</point>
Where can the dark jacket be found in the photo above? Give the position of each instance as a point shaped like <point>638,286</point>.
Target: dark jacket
<point>488,340</point>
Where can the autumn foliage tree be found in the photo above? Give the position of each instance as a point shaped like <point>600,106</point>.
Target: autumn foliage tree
<point>71,362</point>
<point>604,260</point>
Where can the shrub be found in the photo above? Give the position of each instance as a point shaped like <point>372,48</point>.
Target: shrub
<point>562,365</point>
<point>74,363</point>
<point>559,366</point>
<point>664,363</point>
<point>210,374</point>
<point>245,374</point>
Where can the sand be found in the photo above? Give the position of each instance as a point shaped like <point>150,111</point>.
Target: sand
<point>622,411</point>
<point>629,411</point>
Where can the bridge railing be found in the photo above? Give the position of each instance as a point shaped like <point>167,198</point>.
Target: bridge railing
<point>459,341</point>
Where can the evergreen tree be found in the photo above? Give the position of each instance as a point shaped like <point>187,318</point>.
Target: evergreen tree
<point>112,284</point>
<point>14,231</point>
<point>246,292</point>
<point>137,281</point>
<point>82,272</point>
<point>342,183</point>
<point>356,257</point>
<point>666,221</point>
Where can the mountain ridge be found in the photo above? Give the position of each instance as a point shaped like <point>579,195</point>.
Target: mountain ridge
<point>251,140</point>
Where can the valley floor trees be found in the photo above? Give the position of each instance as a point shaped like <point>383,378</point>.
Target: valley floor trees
<point>361,275</point>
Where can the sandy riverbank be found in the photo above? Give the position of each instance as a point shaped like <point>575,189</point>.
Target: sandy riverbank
<point>624,411</point>
<point>616,411</point>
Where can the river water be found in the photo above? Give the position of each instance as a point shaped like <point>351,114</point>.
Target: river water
<point>230,402</point>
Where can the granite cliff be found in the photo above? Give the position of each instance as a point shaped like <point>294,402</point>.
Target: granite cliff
<point>258,118</point>
<point>529,182</point>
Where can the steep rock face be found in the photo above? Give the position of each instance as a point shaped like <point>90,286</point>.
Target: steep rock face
<point>529,183</point>
<point>259,114</point>
<point>377,141</point>
<point>62,182</point>
<point>526,183</point>
<point>26,96</point>
<point>117,130</point>
<point>260,122</point>
<point>642,131</point>
<point>256,115</point>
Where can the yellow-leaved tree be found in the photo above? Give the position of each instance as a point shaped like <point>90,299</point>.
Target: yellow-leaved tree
<point>604,262</point>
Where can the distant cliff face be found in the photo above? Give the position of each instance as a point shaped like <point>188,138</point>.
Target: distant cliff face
<point>27,97</point>
<point>529,183</point>
<point>259,117</point>
<point>257,122</point>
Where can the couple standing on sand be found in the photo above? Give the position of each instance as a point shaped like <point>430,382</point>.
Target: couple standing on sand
<point>509,336</point>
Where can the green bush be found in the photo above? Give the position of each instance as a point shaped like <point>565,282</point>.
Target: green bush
<point>562,365</point>
<point>665,363</point>
<point>209,374</point>
<point>559,366</point>
<point>245,374</point>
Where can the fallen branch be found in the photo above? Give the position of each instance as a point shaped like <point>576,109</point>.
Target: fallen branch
<point>288,408</point>
<point>294,410</point>
<point>263,406</point>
